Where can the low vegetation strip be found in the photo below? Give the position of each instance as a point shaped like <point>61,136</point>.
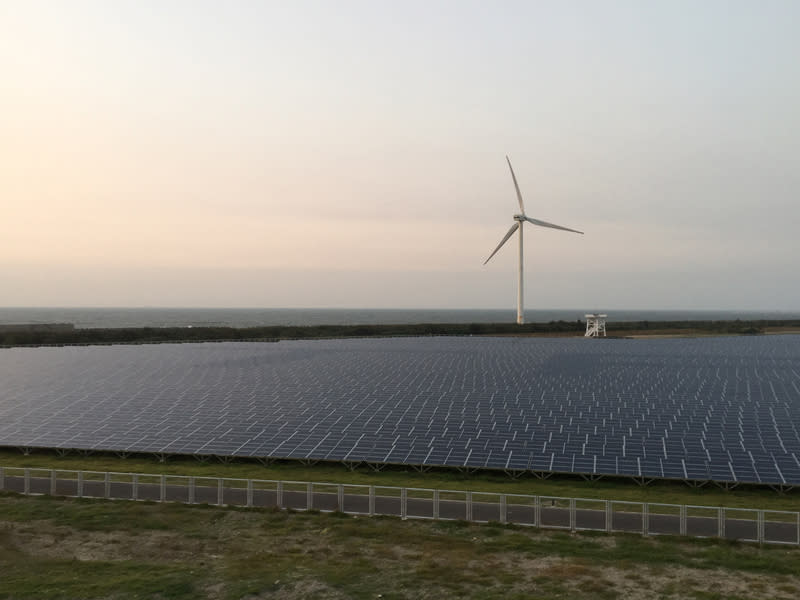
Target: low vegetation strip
<point>63,548</point>
<point>21,336</point>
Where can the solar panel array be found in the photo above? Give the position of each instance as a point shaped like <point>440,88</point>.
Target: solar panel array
<point>724,409</point>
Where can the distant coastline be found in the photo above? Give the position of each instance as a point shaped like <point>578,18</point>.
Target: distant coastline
<point>36,335</point>
<point>114,318</point>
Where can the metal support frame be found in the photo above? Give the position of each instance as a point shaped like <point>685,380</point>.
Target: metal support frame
<point>572,516</point>
<point>683,519</point>
<point>595,325</point>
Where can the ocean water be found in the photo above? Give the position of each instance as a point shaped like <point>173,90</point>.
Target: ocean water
<point>253,317</point>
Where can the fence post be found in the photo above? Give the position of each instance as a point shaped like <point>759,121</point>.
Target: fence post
<point>309,495</point>
<point>798,529</point>
<point>80,484</point>
<point>683,519</point>
<point>371,500</point>
<point>340,497</point>
<point>572,517</point>
<point>249,493</point>
<point>279,495</point>
<point>220,491</point>
<point>503,510</point>
<point>645,519</point>
<point>469,506</point>
<point>52,482</point>
<point>191,490</point>
<point>537,512</point>
<point>435,504</point>
<point>760,526</point>
<point>135,492</point>
<point>403,503</point>
<point>27,488</point>
<point>609,516</point>
<point>107,485</point>
<point>720,522</point>
<point>2,478</point>
<point>163,487</point>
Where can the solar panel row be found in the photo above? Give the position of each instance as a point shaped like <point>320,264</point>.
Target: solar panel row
<point>723,409</point>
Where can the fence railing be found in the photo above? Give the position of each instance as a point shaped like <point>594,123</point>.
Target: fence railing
<point>546,512</point>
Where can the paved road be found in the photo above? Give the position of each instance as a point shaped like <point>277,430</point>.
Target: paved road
<point>518,511</point>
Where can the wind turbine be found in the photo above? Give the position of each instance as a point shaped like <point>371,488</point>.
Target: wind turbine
<point>520,220</point>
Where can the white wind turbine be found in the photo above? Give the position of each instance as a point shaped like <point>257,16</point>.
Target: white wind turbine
<point>520,219</point>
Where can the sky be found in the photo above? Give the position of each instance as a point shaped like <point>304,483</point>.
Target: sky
<point>352,153</point>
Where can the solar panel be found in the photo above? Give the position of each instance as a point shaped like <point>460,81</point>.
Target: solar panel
<point>725,409</point>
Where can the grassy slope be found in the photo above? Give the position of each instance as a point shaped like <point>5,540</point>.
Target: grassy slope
<point>666,492</point>
<point>55,548</point>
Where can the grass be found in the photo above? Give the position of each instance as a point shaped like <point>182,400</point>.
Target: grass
<point>56,548</point>
<point>443,479</point>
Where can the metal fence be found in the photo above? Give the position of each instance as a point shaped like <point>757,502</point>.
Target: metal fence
<point>546,512</point>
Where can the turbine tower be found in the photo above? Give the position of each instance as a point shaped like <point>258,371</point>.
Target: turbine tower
<point>520,219</point>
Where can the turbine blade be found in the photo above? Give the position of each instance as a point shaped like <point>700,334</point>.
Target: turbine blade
<point>519,194</point>
<point>546,224</point>
<point>511,231</point>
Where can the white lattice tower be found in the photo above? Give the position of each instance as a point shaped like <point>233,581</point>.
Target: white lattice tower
<point>595,325</point>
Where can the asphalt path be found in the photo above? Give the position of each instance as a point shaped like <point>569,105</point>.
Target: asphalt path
<point>520,510</point>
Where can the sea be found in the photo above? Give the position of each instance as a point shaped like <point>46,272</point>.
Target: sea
<point>254,317</point>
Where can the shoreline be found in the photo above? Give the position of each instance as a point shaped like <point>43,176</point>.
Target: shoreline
<point>61,334</point>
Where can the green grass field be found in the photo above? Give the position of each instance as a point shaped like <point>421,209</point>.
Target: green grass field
<point>62,549</point>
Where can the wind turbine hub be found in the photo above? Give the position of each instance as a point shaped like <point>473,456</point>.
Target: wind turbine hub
<point>519,218</point>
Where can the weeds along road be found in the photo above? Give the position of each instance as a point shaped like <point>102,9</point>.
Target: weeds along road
<point>519,510</point>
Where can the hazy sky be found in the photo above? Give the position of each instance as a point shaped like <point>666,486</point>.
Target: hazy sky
<point>352,154</point>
